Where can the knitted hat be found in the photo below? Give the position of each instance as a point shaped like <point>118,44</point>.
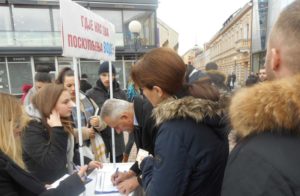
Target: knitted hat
<point>104,68</point>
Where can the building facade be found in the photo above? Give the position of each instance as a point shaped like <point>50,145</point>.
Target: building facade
<point>259,33</point>
<point>230,47</point>
<point>30,36</point>
<point>190,55</point>
<point>167,36</point>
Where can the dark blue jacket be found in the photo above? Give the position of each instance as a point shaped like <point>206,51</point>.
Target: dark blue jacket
<point>191,149</point>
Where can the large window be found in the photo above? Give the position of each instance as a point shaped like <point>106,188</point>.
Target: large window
<point>20,73</point>
<point>5,21</point>
<point>32,26</point>
<point>115,17</point>
<point>6,36</point>
<point>147,34</point>
<point>45,61</point>
<point>31,19</point>
<point>56,27</point>
<point>119,74</point>
<point>90,67</point>
<point>4,87</point>
<point>64,62</point>
<point>128,66</point>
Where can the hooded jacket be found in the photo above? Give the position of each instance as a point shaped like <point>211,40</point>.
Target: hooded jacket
<point>191,149</point>
<point>145,132</point>
<point>99,94</point>
<point>266,160</point>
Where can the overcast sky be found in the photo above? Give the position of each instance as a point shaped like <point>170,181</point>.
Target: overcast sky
<point>196,21</point>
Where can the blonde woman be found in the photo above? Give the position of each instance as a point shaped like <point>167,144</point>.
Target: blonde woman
<point>14,179</point>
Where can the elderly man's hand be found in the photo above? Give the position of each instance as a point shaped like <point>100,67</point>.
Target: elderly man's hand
<point>128,185</point>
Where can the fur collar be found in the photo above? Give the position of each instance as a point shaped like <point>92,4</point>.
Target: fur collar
<point>272,106</point>
<point>197,109</point>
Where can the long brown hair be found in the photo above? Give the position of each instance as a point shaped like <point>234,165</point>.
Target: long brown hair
<point>163,67</point>
<point>204,89</point>
<point>160,67</point>
<point>12,117</point>
<point>66,71</point>
<point>45,101</point>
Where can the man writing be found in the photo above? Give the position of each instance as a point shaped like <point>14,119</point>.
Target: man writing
<point>134,118</point>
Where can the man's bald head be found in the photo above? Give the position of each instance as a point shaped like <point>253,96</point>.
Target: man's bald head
<point>283,51</point>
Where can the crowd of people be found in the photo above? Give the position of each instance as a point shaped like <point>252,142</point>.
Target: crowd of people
<point>179,115</point>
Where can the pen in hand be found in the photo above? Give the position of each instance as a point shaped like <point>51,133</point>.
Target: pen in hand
<point>115,176</point>
<point>117,172</point>
<point>77,168</point>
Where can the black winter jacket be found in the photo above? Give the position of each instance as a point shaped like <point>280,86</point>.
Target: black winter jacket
<point>191,149</point>
<point>45,155</point>
<point>266,160</point>
<point>144,133</point>
<point>99,94</point>
<point>14,181</point>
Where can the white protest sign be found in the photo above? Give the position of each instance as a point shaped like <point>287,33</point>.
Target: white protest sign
<point>86,34</point>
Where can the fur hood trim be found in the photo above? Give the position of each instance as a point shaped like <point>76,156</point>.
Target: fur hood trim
<point>188,107</point>
<point>272,106</point>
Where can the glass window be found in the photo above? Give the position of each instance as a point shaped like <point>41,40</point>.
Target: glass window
<point>31,19</point>
<point>115,17</point>
<point>119,74</point>
<point>6,35</point>
<point>56,19</point>
<point>128,65</point>
<point>147,34</point>
<point>33,27</point>
<point>5,20</point>
<point>49,61</point>
<point>91,69</point>
<point>20,73</point>
<point>64,62</point>
<point>4,87</point>
<point>56,26</point>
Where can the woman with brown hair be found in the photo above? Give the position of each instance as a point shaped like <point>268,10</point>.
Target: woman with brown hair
<point>90,121</point>
<point>191,146</point>
<point>48,140</point>
<point>14,179</point>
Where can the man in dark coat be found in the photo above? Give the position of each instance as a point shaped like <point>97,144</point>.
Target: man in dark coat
<point>100,93</point>
<point>251,80</point>
<point>217,77</point>
<point>192,74</point>
<point>84,84</point>
<point>134,118</point>
<point>266,118</point>
<point>233,79</point>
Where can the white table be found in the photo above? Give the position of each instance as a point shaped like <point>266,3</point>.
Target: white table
<point>90,187</point>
